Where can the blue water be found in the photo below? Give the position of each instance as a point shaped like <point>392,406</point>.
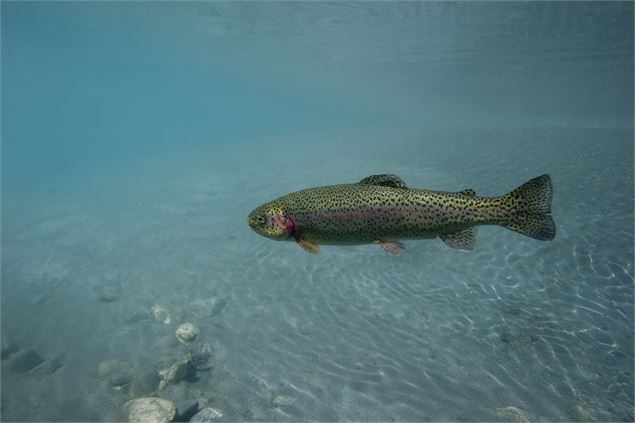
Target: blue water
<point>136,138</point>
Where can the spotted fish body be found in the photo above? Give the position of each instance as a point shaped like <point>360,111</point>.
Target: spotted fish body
<point>381,209</point>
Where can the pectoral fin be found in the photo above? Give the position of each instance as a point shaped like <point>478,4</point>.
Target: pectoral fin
<point>460,240</point>
<point>308,246</point>
<point>391,247</point>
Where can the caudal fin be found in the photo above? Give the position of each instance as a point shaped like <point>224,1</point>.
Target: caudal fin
<point>532,202</point>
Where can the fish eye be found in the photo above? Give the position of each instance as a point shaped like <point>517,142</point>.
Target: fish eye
<point>261,219</point>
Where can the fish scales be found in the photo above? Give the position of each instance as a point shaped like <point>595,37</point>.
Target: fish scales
<point>352,213</point>
<point>382,209</point>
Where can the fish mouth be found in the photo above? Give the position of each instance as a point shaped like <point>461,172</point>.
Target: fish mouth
<point>252,221</point>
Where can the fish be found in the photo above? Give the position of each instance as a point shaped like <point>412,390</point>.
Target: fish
<point>383,210</point>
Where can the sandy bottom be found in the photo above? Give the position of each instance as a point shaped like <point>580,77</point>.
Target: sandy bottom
<point>517,329</point>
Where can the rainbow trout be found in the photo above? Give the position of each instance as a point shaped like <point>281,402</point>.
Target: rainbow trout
<point>381,209</point>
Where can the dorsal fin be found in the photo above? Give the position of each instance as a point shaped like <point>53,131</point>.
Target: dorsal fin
<point>468,192</point>
<point>384,180</point>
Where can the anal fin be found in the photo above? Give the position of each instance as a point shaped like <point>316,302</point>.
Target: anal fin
<point>308,246</point>
<point>460,240</point>
<point>391,247</point>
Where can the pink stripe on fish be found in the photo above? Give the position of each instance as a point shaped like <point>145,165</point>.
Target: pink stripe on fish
<point>291,224</point>
<point>287,222</point>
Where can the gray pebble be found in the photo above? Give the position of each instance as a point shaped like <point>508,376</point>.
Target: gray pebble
<point>513,414</point>
<point>24,360</point>
<point>109,367</point>
<point>168,341</point>
<point>8,347</point>
<point>137,317</point>
<point>108,293</point>
<point>580,414</point>
<point>185,410</point>
<point>121,378</point>
<point>145,383</point>
<point>207,307</point>
<point>46,368</point>
<point>282,400</point>
<point>202,360</point>
<point>176,393</point>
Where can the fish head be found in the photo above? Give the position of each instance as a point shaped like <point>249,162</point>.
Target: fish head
<point>271,221</point>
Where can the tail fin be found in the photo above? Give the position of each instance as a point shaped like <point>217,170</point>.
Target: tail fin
<point>532,201</point>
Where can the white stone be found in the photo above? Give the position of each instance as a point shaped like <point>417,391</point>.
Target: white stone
<point>206,415</point>
<point>150,410</point>
<point>161,314</point>
<point>187,333</point>
<point>283,400</point>
<point>513,414</point>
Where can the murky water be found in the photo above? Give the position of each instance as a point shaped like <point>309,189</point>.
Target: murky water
<point>136,137</point>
